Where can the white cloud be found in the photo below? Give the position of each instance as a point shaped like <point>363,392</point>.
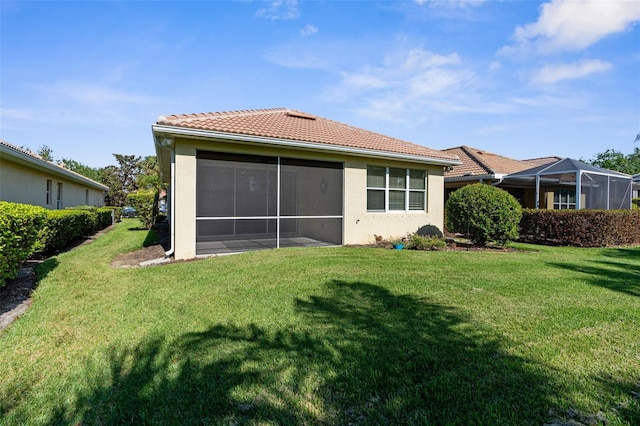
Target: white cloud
<point>450,3</point>
<point>308,30</point>
<point>404,84</point>
<point>419,59</point>
<point>90,94</point>
<point>280,10</point>
<point>550,74</point>
<point>577,24</point>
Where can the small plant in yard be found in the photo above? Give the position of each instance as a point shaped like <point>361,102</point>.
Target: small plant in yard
<point>484,212</point>
<point>425,242</point>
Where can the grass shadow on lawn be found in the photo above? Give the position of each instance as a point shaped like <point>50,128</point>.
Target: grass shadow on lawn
<point>621,274</point>
<point>358,354</point>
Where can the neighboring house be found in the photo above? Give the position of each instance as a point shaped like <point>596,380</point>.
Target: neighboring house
<point>548,182</point>
<point>273,178</point>
<point>572,184</point>
<point>481,166</point>
<point>543,160</point>
<point>27,178</point>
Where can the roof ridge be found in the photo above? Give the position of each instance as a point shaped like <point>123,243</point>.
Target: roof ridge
<point>24,151</point>
<point>545,156</point>
<point>39,158</point>
<point>238,113</point>
<point>468,150</point>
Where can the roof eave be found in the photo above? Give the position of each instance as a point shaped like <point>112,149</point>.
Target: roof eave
<point>50,167</point>
<point>473,178</point>
<point>197,133</point>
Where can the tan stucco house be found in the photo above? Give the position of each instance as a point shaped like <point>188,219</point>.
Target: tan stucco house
<point>273,178</point>
<point>546,183</point>
<point>482,166</point>
<point>27,178</point>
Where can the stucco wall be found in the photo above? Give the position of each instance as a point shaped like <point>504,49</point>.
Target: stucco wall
<point>20,184</point>
<point>359,226</point>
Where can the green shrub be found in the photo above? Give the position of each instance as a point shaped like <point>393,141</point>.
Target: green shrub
<point>635,203</point>
<point>117,213</point>
<point>19,233</point>
<point>144,202</point>
<point>62,227</point>
<point>102,217</point>
<point>581,228</point>
<point>426,242</point>
<point>483,213</point>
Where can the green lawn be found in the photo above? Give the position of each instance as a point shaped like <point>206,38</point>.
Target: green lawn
<point>327,336</point>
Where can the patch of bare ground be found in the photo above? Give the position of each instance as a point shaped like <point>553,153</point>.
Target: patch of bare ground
<point>135,258</point>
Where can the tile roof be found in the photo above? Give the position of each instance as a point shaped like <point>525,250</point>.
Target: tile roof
<point>22,150</point>
<point>35,159</point>
<point>478,162</point>
<point>543,160</point>
<point>291,125</point>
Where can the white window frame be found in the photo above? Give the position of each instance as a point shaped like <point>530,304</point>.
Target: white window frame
<point>407,191</point>
<point>563,202</point>
<point>59,195</point>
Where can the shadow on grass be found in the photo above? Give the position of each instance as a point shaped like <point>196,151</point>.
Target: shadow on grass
<point>44,268</point>
<point>356,354</point>
<point>17,291</point>
<point>621,274</point>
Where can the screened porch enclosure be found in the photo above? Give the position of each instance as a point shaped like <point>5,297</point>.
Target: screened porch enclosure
<point>250,202</point>
<point>571,184</point>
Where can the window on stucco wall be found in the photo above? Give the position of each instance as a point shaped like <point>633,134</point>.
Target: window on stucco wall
<point>396,189</point>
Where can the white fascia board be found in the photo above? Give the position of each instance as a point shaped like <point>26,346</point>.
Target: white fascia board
<point>159,129</point>
<point>46,166</point>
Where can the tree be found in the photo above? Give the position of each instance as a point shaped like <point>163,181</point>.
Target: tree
<point>484,212</point>
<point>83,169</point>
<point>149,175</point>
<point>46,153</point>
<point>615,160</point>
<point>121,179</point>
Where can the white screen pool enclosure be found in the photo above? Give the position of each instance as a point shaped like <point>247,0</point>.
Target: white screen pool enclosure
<point>250,202</point>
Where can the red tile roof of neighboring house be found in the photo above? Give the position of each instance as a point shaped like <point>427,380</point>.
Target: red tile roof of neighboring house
<point>22,150</point>
<point>543,160</point>
<point>36,159</point>
<point>478,162</point>
<point>291,125</point>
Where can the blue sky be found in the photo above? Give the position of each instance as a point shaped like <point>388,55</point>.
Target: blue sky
<point>523,79</point>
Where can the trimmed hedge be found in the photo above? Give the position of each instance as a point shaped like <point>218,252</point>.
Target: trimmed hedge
<point>26,230</point>
<point>63,227</point>
<point>581,228</point>
<point>20,226</point>
<point>117,213</point>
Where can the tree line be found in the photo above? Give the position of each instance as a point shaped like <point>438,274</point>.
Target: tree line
<point>615,160</point>
<point>131,173</point>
